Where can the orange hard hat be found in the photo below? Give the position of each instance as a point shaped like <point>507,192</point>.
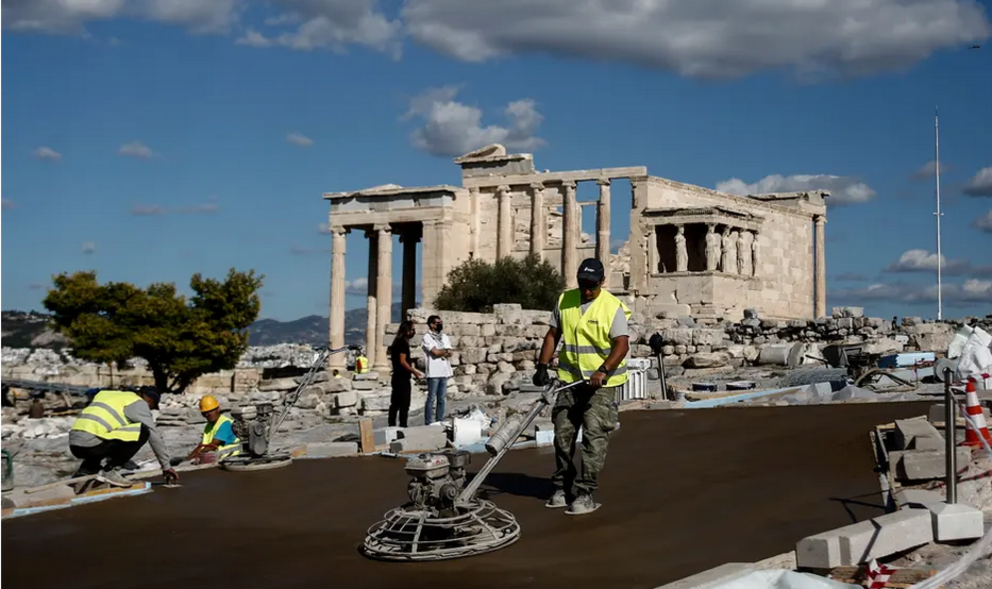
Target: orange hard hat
<point>208,403</point>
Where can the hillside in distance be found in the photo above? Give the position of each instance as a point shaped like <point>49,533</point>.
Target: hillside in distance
<point>30,330</point>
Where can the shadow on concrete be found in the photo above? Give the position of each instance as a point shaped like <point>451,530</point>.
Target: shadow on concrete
<point>861,501</point>
<point>519,484</point>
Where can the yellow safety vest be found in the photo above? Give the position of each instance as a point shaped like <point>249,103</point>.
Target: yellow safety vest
<point>586,337</point>
<point>232,449</point>
<point>361,365</point>
<point>105,418</point>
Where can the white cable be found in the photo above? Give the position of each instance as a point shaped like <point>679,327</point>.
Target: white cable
<point>977,550</point>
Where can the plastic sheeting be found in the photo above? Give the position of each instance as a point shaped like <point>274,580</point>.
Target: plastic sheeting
<point>782,579</point>
<point>972,346</point>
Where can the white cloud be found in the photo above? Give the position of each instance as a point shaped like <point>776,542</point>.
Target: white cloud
<point>983,222</point>
<point>89,247</point>
<point>981,184</point>
<point>200,16</point>
<point>928,170</point>
<point>71,16</point>
<point>843,189</point>
<point>360,286</point>
<point>451,128</point>
<point>298,139</point>
<point>136,149</point>
<point>47,153</point>
<point>714,39</point>
<point>718,38</point>
<point>970,291</point>
<point>330,24</point>
<point>920,260</point>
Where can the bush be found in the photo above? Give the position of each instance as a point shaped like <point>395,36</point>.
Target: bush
<point>476,286</point>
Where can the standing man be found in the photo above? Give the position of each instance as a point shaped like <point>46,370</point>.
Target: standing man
<point>219,441</point>
<point>593,324</point>
<point>437,350</point>
<point>113,428</point>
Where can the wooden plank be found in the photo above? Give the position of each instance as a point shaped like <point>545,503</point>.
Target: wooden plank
<point>368,436</point>
<point>900,579</point>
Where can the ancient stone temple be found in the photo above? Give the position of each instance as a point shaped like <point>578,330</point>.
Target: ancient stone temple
<point>691,250</point>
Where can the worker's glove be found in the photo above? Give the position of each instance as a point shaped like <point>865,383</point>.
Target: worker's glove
<point>541,378</point>
<point>171,478</point>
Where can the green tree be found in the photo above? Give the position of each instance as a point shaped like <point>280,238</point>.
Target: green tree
<point>180,339</point>
<point>475,286</point>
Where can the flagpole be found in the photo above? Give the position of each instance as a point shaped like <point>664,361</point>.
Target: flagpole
<point>940,259</point>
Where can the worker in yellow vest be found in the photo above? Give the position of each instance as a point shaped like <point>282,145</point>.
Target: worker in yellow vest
<point>361,362</point>
<point>591,324</point>
<point>111,430</point>
<point>218,441</point>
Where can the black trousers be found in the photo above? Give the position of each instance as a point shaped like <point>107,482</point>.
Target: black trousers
<point>115,452</point>
<point>399,400</point>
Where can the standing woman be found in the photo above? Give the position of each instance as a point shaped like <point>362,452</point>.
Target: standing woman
<point>399,354</point>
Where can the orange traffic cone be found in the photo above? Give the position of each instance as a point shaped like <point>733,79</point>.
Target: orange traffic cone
<point>974,411</point>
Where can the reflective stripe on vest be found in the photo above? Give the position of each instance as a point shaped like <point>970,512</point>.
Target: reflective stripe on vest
<point>105,417</point>
<point>231,449</point>
<point>586,337</point>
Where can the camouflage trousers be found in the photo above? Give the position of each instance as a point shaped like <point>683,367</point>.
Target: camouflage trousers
<point>596,412</point>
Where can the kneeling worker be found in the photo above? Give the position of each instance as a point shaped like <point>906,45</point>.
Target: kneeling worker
<point>218,435</point>
<point>111,430</point>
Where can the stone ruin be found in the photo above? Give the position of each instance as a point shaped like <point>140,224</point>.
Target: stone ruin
<point>691,252</point>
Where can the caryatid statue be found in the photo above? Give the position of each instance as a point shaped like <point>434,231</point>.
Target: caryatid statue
<point>729,261</point>
<point>744,253</point>
<point>681,253</point>
<point>754,254</point>
<point>712,248</point>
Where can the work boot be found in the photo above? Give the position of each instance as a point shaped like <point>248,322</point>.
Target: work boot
<point>113,477</point>
<point>582,505</point>
<point>557,500</point>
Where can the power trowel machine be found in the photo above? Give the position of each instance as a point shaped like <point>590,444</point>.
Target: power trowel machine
<point>445,518</point>
<point>256,424</point>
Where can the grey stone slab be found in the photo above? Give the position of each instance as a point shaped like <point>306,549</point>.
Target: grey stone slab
<point>920,465</point>
<point>956,522</point>
<point>713,577</point>
<point>907,430</point>
<point>330,449</point>
<point>858,543</point>
<point>917,498</point>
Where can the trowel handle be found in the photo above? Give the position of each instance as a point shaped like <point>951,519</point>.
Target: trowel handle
<point>508,434</point>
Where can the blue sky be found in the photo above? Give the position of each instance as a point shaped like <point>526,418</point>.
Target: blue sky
<point>152,139</point>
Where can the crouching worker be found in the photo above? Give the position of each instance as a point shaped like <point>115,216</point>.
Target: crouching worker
<point>219,441</point>
<point>111,430</point>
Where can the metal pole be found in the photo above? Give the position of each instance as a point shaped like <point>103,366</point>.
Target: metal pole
<point>936,148</point>
<point>950,439</point>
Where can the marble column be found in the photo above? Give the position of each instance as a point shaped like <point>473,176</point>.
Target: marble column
<point>538,222</point>
<point>820,270</point>
<point>504,243</point>
<point>384,287</point>
<point>569,255</point>
<point>603,226</point>
<point>476,220</point>
<point>409,241</point>
<point>372,298</point>
<point>337,302</point>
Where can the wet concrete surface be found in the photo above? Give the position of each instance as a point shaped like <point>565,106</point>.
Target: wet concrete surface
<point>682,491</point>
